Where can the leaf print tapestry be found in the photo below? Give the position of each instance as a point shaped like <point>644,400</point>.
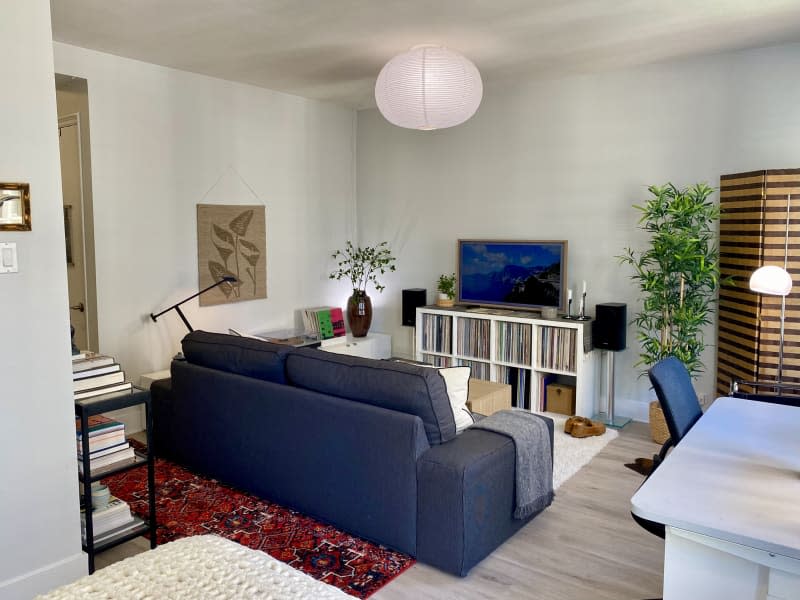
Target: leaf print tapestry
<point>231,242</point>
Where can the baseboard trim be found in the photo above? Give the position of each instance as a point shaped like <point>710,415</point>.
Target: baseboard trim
<point>633,409</point>
<point>45,578</point>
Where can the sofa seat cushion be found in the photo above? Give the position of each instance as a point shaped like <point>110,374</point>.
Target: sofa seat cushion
<point>397,386</point>
<point>234,354</point>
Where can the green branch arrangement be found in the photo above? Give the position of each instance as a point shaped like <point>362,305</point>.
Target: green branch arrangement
<point>677,275</point>
<point>363,265</point>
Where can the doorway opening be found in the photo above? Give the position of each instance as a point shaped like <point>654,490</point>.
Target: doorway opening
<point>72,99</point>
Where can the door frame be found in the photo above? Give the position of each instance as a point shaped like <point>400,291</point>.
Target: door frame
<point>70,120</point>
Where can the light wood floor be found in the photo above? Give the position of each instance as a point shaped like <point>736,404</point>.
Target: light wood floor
<point>585,546</point>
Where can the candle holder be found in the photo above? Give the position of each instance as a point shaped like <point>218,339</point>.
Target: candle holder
<point>569,310</point>
<point>582,315</point>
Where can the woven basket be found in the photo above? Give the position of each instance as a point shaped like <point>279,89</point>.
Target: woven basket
<point>658,425</point>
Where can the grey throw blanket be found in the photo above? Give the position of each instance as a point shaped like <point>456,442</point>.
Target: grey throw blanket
<point>534,466</point>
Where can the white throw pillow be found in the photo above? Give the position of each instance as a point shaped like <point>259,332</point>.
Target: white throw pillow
<point>456,380</point>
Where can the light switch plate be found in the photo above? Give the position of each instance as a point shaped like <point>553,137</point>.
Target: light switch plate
<point>8,257</point>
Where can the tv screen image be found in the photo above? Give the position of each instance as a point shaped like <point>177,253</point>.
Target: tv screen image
<point>514,274</point>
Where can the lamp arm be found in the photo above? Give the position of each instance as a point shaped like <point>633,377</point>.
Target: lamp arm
<point>177,305</point>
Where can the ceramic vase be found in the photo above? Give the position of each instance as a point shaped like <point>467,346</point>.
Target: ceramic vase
<point>359,313</point>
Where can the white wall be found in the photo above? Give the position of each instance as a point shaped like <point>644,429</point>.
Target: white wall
<point>566,159</point>
<point>39,529</point>
<point>164,141</point>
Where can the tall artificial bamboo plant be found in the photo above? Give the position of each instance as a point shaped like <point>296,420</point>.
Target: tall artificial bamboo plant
<point>677,274</point>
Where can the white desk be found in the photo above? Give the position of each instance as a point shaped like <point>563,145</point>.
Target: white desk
<point>729,495</point>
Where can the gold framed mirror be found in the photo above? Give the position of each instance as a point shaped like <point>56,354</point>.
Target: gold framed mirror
<point>15,207</point>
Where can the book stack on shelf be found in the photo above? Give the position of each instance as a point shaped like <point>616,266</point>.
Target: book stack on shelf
<point>326,321</point>
<point>96,375</point>
<point>107,444</point>
<point>113,519</point>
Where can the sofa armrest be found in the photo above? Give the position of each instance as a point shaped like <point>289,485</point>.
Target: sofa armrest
<point>465,506</point>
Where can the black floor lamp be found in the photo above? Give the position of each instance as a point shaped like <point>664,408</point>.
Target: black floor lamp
<point>177,307</point>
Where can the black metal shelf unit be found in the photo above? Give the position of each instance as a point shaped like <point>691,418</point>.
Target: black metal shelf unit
<point>83,410</point>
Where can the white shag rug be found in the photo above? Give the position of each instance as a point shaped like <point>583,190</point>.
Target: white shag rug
<point>205,567</point>
<point>569,453</point>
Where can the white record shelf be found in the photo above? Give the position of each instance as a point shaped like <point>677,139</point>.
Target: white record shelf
<point>514,347</point>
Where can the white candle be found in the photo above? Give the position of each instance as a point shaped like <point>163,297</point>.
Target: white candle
<point>569,294</point>
<point>584,286</point>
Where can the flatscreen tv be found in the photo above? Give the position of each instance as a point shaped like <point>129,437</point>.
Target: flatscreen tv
<point>512,274</point>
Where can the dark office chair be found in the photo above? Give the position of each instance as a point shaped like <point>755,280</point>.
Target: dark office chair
<point>673,386</point>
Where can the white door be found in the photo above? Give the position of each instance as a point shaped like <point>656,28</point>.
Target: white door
<point>71,177</point>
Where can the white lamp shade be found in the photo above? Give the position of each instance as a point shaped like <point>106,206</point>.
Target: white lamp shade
<point>428,87</point>
<point>771,280</point>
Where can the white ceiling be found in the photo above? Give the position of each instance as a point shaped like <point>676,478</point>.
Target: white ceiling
<point>334,49</point>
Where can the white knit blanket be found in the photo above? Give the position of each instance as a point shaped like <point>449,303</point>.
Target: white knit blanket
<point>204,567</point>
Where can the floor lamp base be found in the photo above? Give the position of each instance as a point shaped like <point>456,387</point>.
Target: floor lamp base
<point>615,422</point>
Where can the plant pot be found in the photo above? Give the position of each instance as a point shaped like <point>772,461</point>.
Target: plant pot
<point>359,313</point>
<point>443,300</point>
<point>658,424</point>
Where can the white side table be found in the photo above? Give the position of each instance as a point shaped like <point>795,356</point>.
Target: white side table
<point>373,345</point>
<point>146,380</point>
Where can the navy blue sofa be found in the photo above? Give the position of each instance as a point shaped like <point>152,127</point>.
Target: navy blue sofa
<point>366,445</point>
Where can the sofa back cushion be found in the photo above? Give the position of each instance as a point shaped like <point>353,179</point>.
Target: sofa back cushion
<point>235,354</point>
<point>397,386</point>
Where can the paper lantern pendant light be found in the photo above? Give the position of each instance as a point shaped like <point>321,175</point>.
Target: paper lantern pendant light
<point>428,87</point>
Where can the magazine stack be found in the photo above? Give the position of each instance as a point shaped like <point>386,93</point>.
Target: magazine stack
<point>109,521</point>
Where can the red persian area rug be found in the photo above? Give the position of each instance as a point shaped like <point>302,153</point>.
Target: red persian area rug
<point>188,504</point>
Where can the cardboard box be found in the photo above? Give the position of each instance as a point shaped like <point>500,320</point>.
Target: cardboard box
<point>487,397</point>
<point>560,399</point>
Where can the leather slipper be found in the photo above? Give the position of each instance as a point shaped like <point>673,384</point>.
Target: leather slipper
<point>572,421</point>
<point>582,430</point>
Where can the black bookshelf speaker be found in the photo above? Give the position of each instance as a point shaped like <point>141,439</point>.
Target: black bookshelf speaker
<point>610,325</point>
<point>413,298</point>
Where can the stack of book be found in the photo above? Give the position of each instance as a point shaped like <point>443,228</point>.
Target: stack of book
<point>107,443</point>
<point>96,374</point>
<point>325,321</point>
<point>107,522</point>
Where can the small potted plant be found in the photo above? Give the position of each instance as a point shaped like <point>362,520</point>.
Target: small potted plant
<point>447,290</point>
<point>362,266</point>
